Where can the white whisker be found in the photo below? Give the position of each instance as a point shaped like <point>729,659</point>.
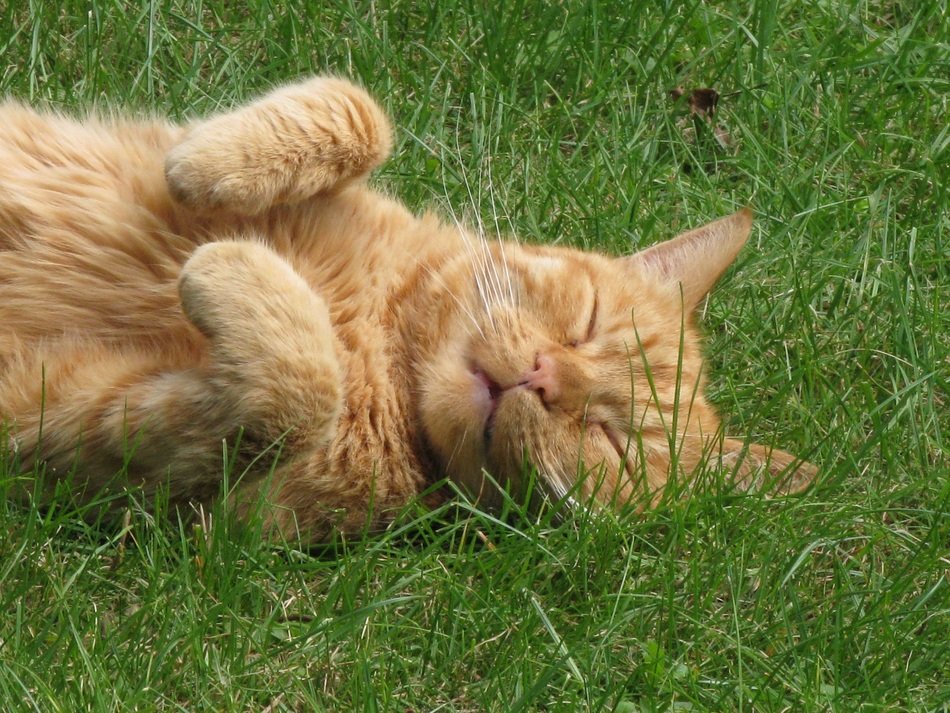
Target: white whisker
<point>462,306</point>
<point>553,478</point>
<point>492,282</point>
<point>480,270</point>
<point>498,234</point>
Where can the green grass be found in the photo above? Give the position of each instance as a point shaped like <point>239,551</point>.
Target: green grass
<point>831,336</point>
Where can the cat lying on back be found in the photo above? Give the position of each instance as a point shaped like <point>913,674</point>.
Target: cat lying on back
<point>165,288</point>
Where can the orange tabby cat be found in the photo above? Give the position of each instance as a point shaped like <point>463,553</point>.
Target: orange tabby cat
<point>165,288</point>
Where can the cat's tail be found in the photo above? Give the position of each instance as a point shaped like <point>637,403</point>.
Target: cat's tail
<point>294,143</point>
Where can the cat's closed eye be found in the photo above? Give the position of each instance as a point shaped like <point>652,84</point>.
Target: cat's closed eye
<point>592,324</point>
<point>591,328</point>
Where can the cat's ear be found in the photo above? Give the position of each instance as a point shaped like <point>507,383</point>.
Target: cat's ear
<point>696,259</point>
<point>756,467</point>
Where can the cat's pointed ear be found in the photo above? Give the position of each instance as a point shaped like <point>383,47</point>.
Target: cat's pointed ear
<point>696,259</point>
<point>755,467</point>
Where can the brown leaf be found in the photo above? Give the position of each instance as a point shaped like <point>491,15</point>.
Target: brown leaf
<point>703,102</point>
<point>701,128</point>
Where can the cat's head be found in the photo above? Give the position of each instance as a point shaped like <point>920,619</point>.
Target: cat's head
<point>586,367</point>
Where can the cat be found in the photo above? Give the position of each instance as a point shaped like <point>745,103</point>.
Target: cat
<point>169,291</point>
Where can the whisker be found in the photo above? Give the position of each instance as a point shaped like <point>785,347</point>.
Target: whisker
<point>482,279</point>
<point>462,306</point>
<point>498,233</point>
<point>493,283</point>
<point>477,260</point>
<point>553,477</point>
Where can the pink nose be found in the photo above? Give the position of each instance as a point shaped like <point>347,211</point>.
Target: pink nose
<point>542,378</point>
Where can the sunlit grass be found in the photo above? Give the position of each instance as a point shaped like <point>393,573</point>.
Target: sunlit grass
<point>831,337</point>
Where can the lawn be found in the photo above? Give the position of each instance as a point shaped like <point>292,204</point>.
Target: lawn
<point>555,121</point>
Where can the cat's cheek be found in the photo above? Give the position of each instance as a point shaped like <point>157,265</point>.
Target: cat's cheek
<point>468,397</point>
<point>561,448</point>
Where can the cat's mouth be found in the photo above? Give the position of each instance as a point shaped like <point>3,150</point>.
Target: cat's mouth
<point>489,395</point>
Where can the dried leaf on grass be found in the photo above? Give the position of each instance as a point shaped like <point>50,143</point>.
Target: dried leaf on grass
<point>700,128</point>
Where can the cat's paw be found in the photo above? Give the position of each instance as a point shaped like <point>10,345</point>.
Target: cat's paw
<point>292,144</point>
<point>271,340</point>
<point>253,305</point>
<point>232,286</point>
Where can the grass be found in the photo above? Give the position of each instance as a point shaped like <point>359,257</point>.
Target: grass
<point>831,336</point>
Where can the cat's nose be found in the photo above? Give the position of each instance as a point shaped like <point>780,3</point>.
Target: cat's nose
<point>543,379</point>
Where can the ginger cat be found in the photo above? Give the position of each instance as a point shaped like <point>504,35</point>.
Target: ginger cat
<point>165,288</point>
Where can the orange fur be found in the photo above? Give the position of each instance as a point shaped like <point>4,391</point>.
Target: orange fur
<point>165,288</point>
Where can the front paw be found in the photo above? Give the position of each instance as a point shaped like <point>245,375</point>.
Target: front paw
<point>209,172</point>
<point>231,286</point>
<point>290,145</point>
<point>271,340</point>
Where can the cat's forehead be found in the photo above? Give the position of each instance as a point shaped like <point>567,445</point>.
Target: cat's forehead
<point>545,263</point>
<point>554,274</point>
<point>570,276</point>
<point>559,275</point>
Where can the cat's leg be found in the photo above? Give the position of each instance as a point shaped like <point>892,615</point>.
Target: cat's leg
<point>295,142</point>
<point>105,416</point>
<point>269,368</point>
<point>272,343</point>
